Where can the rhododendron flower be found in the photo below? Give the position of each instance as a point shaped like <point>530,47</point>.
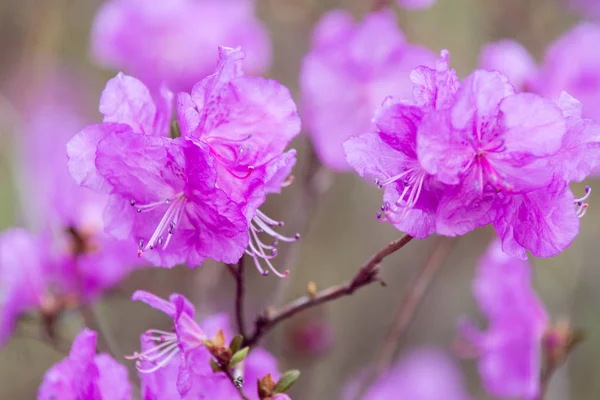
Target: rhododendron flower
<point>246,122</point>
<point>85,374</point>
<point>164,375</point>
<point>367,62</point>
<point>568,65</point>
<point>510,350</point>
<point>411,194</point>
<point>175,41</point>
<point>162,190</point>
<point>425,374</point>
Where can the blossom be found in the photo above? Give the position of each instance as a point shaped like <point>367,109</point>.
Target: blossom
<point>509,351</point>
<point>63,257</point>
<point>175,42</point>
<point>163,193</point>
<point>85,374</point>
<point>246,123</point>
<point>425,374</point>
<point>568,65</point>
<point>164,375</point>
<point>350,70</point>
<point>511,59</point>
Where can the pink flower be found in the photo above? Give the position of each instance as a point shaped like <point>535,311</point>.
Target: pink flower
<point>163,195</point>
<point>175,41</point>
<point>164,375</point>
<point>246,123</point>
<point>350,70</point>
<point>85,375</point>
<point>509,351</point>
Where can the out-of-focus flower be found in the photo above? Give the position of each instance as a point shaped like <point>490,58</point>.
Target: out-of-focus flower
<point>247,123</point>
<point>350,70</point>
<point>86,375</point>
<point>162,191</point>
<point>416,4</point>
<point>510,350</point>
<point>511,59</point>
<point>588,8</point>
<point>164,375</point>
<point>175,42</point>
<point>568,65</point>
<point>65,258</point>
<point>425,374</point>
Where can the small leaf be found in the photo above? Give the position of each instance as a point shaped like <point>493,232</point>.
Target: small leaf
<point>208,343</point>
<point>219,339</point>
<point>236,343</point>
<point>215,367</point>
<point>287,380</point>
<point>239,356</point>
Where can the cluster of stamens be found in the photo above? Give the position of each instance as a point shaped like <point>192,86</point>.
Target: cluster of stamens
<point>262,252</point>
<point>579,203</point>
<point>160,355</point>
<point>412,180</point>
<point>166,227</point>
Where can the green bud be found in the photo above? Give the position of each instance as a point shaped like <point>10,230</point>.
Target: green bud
<point>239,356</point>
<point>287,380</point>
<point>236,343</point>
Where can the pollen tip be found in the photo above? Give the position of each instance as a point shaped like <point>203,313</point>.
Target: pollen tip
<point>286,273</point>
<point>265,273</point>
<point>132,203</point>
<point>139,253</point>
<point>275,243</point>
<point>297,236</point>
<point>281,223</point>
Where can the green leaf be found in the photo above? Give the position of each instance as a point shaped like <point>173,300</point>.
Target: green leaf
<point>236,343</point>
<point>239,356</point>
<point>287,381</point>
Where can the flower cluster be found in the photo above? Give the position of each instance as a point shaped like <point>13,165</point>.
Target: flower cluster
<point>174,41</point>
<point>184,190</point>
<point>463,154</point>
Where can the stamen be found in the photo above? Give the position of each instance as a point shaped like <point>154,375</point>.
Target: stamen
<point>288,181</point>
<point>579,203</point>
<point>264,253</point>
<point>166,225</point>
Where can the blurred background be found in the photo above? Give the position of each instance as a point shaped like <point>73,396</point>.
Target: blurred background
<point>341,230</point>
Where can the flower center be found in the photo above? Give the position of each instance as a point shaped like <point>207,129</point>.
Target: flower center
<point>231,154</point>
<point>262,252</point>
<point>166,226</point>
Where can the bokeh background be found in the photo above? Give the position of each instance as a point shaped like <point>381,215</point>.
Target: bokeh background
<point>339,228</point>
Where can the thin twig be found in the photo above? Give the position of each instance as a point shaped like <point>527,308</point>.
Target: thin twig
<point>316,181</point>
<point>367,274</point>
<point>416,289</point>
<point>238,275</point>
<point>232,379</point>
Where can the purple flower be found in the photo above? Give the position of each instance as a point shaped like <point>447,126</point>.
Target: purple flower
<point>85,375</point>
<point>175,41</point>
<point>164,375</point>
<point>569,65</point>
<point>512,60</point>
<point>425,374</point>
<point>163,191</point>
<point>509,351</point>
<point>351,69</point>
<point>246,123</point>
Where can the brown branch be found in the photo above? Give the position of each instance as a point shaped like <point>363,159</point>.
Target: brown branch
<point>367,274</point>
<point>238,275</point>
<point>416,290</point>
